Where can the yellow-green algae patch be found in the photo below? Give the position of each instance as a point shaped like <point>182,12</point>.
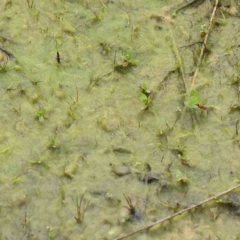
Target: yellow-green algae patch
<point>70,124</point>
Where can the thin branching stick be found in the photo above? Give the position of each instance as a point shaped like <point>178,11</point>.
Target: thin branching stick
<point>204,45</point>
<point>10,55</point>
<point>179,213</point>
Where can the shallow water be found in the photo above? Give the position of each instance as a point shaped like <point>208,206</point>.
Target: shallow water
<point>94,127</point>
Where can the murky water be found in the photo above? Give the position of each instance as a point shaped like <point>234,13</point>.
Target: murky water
<point>74,127</point>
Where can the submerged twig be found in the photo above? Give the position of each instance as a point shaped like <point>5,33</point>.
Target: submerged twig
<point>58,58</point>
<point>76,93</point>
<point>25,221</point>
<point>237,127</point>
<point>179,213</point>
<point>10,55</point>
<point>204,45</point>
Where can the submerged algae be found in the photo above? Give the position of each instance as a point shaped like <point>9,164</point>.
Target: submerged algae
<point>103,113</point>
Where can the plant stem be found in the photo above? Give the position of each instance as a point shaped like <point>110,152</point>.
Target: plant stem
<point>204,45</point>
<point>179,60</point>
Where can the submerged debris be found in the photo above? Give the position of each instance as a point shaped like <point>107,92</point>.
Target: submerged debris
<point>193,3</point>
<point>233,202</point>
<point>134,215</point>
<point>233,108</point>
<point>70,169</point>
<point>10,55</point>
<point>151,177</point>
<point>128,61</point>
<point>121,170</point>
<point>120,151</point>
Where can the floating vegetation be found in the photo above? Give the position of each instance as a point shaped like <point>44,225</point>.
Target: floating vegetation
<point>3,67</point>
<point>128,61</point>
<point>53,144</point>
<point>40,114</point>
<point>145,96</point>
<point>70,119</point>
<point>193,101</point>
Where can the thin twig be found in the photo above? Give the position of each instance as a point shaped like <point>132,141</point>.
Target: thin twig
<point>114,61</point>
<point>179,213</point>
<point>10,55</point>
<point>76,93</point>
<point>25,222</point>
<point>204,44</point>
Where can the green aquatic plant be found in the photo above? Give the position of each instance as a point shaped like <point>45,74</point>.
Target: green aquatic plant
<point>145,100</point>
<point>127,62</point>
<point>203,31</point>
<point>145,96</point>
<point>127,56</point>
<point>128,59</point>
<point>39,162</point>
<point>223,21</point>
<point>181,154</point>
<point>72,106</point>
<point>51,234</point>
<point>193,101</point>
<point>183,158</point>
<point>4,67</point>
<point>53,144</point>
<point>80,212</point>
<point>5,150</point>
<point>181,178</point>
<point>40,114</point>
<point>71,113</point>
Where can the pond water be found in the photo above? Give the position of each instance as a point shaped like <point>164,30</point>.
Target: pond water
<point>96,141</point>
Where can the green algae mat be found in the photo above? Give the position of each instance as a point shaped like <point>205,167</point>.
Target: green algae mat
<point>103,131</point>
